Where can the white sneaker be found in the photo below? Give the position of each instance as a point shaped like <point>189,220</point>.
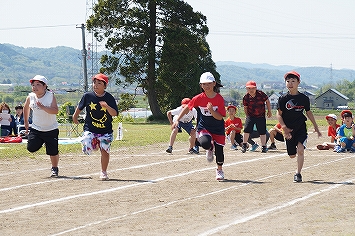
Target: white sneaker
<point>209,155</point>
<point>103,175</point>
<point>219,174</point>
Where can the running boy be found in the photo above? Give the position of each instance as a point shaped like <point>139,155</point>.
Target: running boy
<point>100,108</point>
<point>44,128</point>
<point>210,109</point>
<point>290,115</point>
<point>254,107</point>
<point>233,126</point>
<point>186,123</point>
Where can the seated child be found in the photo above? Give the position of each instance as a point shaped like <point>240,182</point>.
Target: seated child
<point>275,133</point>
<point>346,133</point>
<point>332,133</point>
<point>233,125</point>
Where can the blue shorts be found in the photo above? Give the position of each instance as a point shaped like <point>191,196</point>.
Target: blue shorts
<point>348,142</point>
<point>188,126</point>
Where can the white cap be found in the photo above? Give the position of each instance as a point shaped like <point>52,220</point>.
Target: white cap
<point>39,78</point>
<point>207,77</point>
<point>331,116</point>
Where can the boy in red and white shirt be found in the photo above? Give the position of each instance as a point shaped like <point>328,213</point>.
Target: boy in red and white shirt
<point>233,126</point>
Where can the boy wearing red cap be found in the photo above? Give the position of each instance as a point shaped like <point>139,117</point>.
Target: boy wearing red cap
<point>210,125</point>
<point>233,126</point>
<point>186,123</point>
<point>100,108</point>
<point>254,107</point>
<point>44,127</point>
<point>290,108</point>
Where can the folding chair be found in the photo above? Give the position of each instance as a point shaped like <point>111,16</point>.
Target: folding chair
<point>72,128</point>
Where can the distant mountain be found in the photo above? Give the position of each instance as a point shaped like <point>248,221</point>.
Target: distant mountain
<point>62,65</point>
<point>240,72</point>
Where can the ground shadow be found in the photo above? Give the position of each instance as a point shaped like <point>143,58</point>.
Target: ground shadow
<point>316,181</point>
<point>242,181</point>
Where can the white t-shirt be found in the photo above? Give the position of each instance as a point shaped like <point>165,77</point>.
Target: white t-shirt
<point>186,118</point>
<point>41,120</point>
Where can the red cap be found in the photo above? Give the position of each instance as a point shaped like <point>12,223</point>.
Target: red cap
<point>101,77</point>
<point>251,84</point>
<point>344,112</point>
<point>292,73</point>
<point>231,106</point>
<point>185,101</point>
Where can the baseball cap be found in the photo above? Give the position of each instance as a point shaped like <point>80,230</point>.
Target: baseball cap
<point>331,116</point>
<point>251,84</point>
<point>207,77</point>
<point>39,78</point>
<point>185,101</point>
<point>292,72</point>
<point>231,106</point>
<point>346,113</point>
<point>101,77</point>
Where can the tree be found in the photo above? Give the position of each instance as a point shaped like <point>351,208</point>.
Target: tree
<point>159,45</point>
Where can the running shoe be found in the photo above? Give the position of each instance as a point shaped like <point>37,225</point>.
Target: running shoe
<point>54,172</point>
<point>272,147</point>
<point>340,150</point>
<point>170,149</point>
<point>219,175</point>
<point>254,147</point>
<point>103,175</point>
<point>193,151</point>
<point>209,155</point>
<point>234,147</point>
<point>297,178</point>
<point>264,149</point>
<point>244,148</point>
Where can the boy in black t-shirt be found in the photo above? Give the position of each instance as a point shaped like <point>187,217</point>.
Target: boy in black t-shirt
<point>290,115</point>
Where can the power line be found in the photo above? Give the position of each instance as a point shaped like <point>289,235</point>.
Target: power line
<point>37,27</point>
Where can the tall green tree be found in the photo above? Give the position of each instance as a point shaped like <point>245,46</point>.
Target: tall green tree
<point>158,44</point>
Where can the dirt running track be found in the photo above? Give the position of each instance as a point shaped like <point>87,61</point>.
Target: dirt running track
<point>151,192</point>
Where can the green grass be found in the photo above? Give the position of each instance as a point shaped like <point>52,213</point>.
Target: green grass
<point>141,133</point>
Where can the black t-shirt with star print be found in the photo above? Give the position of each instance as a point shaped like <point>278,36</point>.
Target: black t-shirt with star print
<point>97,119</point>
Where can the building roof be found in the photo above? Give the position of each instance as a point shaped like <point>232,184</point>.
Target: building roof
<point>336,92</point>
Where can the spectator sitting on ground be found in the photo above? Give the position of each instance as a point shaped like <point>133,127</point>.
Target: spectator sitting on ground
<point>332,133</point>
<point>275,133</point>
<point>233,125</point>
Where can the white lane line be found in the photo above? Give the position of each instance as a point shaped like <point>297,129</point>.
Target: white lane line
<point>124,187</point>
<point>204,195</point>
<point>270,210</point>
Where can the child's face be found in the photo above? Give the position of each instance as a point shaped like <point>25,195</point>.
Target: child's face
<point>38,88</point>
<point>331,121</point>
<point>292,84</point>
<point>98,86</point>
<point>208,87</point>
<point>251,90</point>
<point>231,112</point>
<point>348,121</point>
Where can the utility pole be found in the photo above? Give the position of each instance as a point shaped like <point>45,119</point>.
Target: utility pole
<point>84,54</point>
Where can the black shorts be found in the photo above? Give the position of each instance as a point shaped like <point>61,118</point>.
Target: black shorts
<point>279,137</point>
<point>259,122</point>
<point>298,136</point>
<point>36,139</point>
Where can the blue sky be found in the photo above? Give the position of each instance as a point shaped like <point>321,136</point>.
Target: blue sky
<point>279,32</point>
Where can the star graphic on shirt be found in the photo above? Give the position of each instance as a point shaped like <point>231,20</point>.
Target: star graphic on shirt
<point>103,109</point>
<point>92,106</point>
